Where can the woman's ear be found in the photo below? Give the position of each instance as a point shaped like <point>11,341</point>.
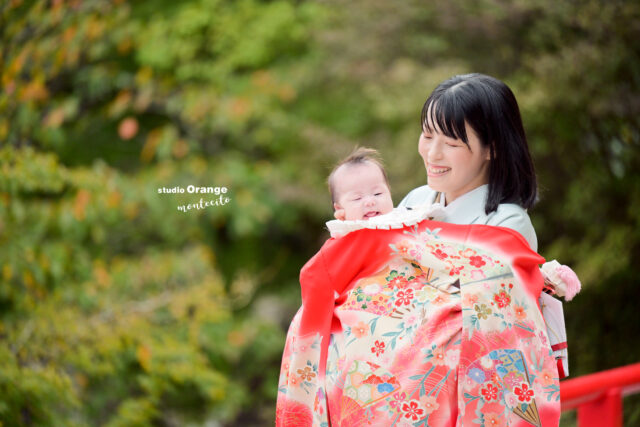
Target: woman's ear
<point>489,149</point>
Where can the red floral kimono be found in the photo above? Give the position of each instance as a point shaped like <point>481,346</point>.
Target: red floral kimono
<point>433,324</point>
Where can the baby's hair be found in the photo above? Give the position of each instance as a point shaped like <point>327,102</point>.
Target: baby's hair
<point>360,155</point>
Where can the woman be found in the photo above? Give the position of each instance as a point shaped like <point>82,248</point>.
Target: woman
<point>433,323</point>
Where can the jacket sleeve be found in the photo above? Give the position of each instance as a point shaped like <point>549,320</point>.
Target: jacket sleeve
<point>516,219</point>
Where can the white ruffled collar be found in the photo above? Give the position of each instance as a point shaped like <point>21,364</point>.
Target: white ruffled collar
<point>397,218</point>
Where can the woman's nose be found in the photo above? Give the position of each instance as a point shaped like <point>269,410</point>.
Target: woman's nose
<point>435,151</point>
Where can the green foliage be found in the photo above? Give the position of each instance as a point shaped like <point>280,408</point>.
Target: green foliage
<point>88,322</point>
<point>118,309</point>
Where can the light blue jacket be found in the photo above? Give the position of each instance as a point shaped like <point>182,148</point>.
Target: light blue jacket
<point>469,209</point>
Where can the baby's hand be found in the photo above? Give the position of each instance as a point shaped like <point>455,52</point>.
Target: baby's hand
<point>339,214</point>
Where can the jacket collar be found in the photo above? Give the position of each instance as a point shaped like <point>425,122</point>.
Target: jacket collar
<point>468,208</point>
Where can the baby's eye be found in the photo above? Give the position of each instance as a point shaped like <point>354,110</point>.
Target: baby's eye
<point>356,199</point>
<point>378,194</point>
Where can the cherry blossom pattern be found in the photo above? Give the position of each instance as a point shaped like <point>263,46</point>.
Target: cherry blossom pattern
<point>442,298</point>
<point>306,374</point>
<point>455,270</point>
<point>429,403</point>
<point>360,329</point>
<point>476,261</point>
<point>439,254</point>
<point>477,375</point>
<point>412,410</point>
<point>403,247</point>
<point>398,399</point>
<point>547,377</point>
<point>520,312</point>
<point>482,311</point>
<point>502,298</point>
<point>398,282</point>
<point>378,348</point>
<point>452,358</point>
<point>294,381</point>
<point>490,392</point>
<point>524,393</point>
<point>468,300</point>
<point>492,419</point>
<point>404,297</point>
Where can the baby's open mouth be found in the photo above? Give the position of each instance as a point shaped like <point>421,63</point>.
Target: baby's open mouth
<point>371,214</point>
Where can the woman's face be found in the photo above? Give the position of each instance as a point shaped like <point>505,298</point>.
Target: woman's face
<point>453,168</point>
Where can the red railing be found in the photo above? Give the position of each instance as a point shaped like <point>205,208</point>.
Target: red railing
<point>598,397</point>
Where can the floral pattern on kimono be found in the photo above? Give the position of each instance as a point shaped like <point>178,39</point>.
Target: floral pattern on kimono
<point>433,324</point>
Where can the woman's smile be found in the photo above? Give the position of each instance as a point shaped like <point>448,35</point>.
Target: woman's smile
<point>436,171</point>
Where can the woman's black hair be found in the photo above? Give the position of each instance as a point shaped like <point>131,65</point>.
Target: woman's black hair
<point>490,108</point>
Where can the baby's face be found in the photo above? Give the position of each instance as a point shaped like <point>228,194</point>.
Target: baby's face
<point>361,191</point>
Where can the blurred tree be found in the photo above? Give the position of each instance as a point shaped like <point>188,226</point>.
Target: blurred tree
<point>117,308</point>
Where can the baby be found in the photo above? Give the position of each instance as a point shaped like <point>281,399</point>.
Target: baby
<point>359,187</point>
<point>362,199</point>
